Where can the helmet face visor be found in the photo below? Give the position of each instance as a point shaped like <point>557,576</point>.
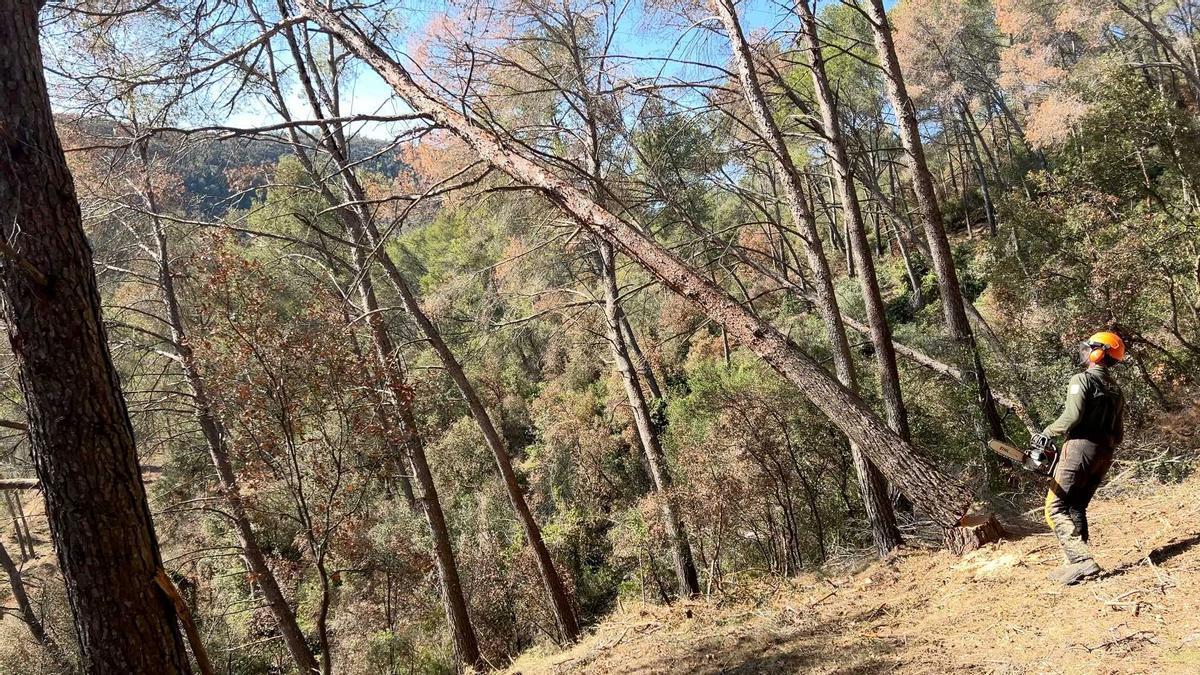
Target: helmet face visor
<point>1085,352</point>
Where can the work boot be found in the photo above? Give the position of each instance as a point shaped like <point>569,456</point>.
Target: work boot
<point>1073,573</point>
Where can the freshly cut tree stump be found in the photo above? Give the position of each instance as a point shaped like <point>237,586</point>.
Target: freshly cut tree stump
<point>974,531</point>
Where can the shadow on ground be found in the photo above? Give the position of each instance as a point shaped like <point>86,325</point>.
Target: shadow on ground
<point>745,650</point>
<point>1171,549</point>
<point>1158,555</point>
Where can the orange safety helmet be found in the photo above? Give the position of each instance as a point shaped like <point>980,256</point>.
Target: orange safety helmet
<point>1105,344</point>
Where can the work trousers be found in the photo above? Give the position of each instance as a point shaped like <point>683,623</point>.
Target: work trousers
<point>1080,468</point>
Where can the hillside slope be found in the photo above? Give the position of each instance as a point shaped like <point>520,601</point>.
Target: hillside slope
<point>929,612</point>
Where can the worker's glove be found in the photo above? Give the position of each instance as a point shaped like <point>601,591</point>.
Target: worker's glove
<point>1040,442</point>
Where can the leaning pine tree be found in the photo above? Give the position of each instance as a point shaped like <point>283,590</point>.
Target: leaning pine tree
<point>953,303</point>
<point>945,499</point>
<point>872,487</point>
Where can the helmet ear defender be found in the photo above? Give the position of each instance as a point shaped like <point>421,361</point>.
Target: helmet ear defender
<point>1102,347</point>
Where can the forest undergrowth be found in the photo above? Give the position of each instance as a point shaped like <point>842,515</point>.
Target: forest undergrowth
<point>384,338</point>
<point>923,610</point>
<point>919,609</point>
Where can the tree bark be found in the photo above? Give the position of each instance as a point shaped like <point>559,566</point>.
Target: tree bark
<point>859,245</point>
<point>902,236</point>
<point>79,428</point>
<point>974,533</point>
<point>955,152</point>
<point>881,334</point>
<point>880,515</point>
<point>645,371</point>
<point>914,284</point>
<point>216,439</point>
<point>953,304</point>
<point>660,472</point>
<point>989,211</point>
<point>560,602</point>
<point>466,646</point>
<point>945,499</point>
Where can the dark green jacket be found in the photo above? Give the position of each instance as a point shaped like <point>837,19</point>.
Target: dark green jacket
<point>1095,409</point>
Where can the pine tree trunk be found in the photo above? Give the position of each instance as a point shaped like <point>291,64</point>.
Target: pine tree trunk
<point>875,221</point>
<point>79,428</point>
<point>218,449</point>
<point>953,304</point>
<point>466,647</point>
<point>660,472</point>
<point>963,183</point>
<point>871,484</point>
<point>989,211</point>
<point>997,175</point>
<point>881,334</point>
<point>645,372</point>
<point>943,498</point>
<point>616,330</point>
<point>914,283</point>
<point>560,602</point>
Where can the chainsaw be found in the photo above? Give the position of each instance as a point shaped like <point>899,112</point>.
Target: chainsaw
<point>1039,460</point>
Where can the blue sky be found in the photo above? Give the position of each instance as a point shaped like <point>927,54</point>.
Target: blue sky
<point>638,35</point>
<point>642,33</point>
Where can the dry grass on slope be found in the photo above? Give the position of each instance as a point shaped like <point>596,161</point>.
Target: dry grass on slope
<point>992,611</point>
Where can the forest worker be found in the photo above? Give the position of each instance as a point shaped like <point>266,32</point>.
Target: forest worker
<point>1093,424</point>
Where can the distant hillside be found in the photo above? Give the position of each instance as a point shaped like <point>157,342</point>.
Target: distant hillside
<point>206,164</point>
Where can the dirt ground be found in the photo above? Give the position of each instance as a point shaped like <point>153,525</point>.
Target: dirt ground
<point>992,611</point>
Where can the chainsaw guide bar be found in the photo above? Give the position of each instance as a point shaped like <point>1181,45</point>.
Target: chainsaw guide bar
<point>1018,456</point>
